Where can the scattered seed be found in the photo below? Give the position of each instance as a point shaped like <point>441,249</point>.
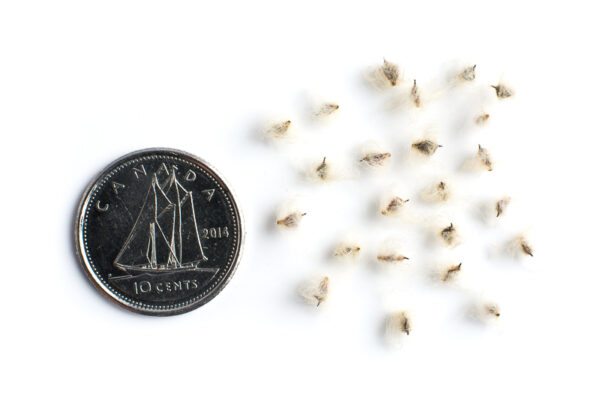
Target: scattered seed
<point>347,250</point>
<point>449,235</point>
<point>442,191</point>
<point>316,291</point>
<point>482,118</point>
<point>279,129</point>
<point>322,170</point>
<point>485,312</point>
<point>375,159</point>
<point>398,323</point>
<point>291,220</point>
<point>391,72</point>
<point>438,192</point>
<point>501,206</point>
<point>483,155</point>
<point>415,94</point>
<point>394,206</point>
<point>327,109</point>
<point>323,290</point>
<point>491,310</point>
<point>451,272</point>
<point>502,91</point>
<point>525,247</point>
<point>468,74</point>
<point>391,258</point>
<point>426,147</point>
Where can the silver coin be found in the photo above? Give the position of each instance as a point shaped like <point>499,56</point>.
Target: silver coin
<point>159,232</point>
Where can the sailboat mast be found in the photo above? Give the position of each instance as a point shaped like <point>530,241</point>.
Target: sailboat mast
<point>196,227</point>
<point>153,244</point>
<point>179,227</point>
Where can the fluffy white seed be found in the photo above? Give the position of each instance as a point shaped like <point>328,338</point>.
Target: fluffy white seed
<point>391,72</point>
<point>391,257</point>
<point>392,207</point>
<point>398,326</point>
<point>326,109</point>
<point>485,311</point>
<point>467,74</point>
<point>348,250</point>
<point>482,118</point>
<point>375,159</point>
<point>451,273</point>
<point>503,91</point>
<point>437,192</point>
<point>481,161</point>
<point>291,220</point>
<point>278,130</point>
<point>425,147</point>
<point>415,95</point>
<point>315,291</point>
<point>450,236</point>
<point>500,206</point>
<point>521,246</point>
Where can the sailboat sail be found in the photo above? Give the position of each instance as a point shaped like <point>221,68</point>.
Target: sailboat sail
<point>165,234</point>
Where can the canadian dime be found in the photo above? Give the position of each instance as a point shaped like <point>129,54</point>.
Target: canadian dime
<point>159,232</point>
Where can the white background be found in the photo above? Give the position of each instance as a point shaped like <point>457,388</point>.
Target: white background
<point>82,83</point>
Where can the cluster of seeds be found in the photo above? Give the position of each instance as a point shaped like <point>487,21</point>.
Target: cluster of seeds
<point>399,323</point>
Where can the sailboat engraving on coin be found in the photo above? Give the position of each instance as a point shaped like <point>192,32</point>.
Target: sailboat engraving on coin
<point>161,224</point>
<point>159,232</point>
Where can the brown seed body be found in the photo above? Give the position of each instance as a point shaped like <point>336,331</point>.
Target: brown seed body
<point>391,258</point>
<point>394,206</point>
<point>526,247</point>
<point>322,170</point>
<point>291,220</point>
<point>449,234</point>
<point>344,250</point>
<point>501,206</point>
<point>482,118</point>
<point>426,147</point>
<point>415,94</point>
<point>406,325</point>
<point>391,72</point>
<point>483,155</point>
<point>451,272</point>
<point>400,322</point>
<point>375,159</point>
<point>502,91</point>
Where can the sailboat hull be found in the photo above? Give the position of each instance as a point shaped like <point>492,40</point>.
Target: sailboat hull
<point>159,269</point>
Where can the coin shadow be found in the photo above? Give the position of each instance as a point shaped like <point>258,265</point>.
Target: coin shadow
<point>71,233</point>
<point>270,224</point>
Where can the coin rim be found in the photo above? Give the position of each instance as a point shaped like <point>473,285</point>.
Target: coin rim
<point>94,279</point>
